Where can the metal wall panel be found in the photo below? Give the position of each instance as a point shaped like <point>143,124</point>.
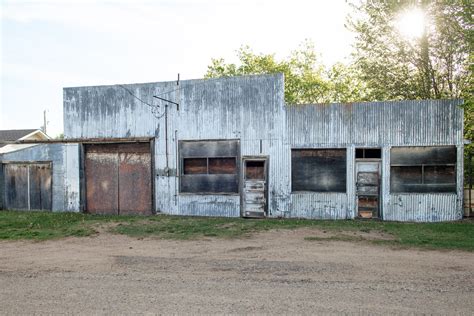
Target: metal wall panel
<point>208,205</point>
<point>71,185</point>
<point>318,205</point>
<point>395,123</point>
<point>422,208</point>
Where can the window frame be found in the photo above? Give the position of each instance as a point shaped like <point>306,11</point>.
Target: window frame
<point>229,143</point>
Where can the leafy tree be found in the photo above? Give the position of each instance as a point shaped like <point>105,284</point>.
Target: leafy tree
<point>434,65</point>
<point>306,79</point>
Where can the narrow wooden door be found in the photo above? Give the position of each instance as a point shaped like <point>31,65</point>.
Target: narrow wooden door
<point>254,193</point>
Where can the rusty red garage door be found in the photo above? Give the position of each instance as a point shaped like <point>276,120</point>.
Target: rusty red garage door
<point>118,179</point>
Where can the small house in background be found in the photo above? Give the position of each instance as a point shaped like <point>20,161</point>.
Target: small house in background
<point>232,147</point>
<point>11,135</point>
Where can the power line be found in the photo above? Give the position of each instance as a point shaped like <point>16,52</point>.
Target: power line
<point>133,95</point>
<point>153,107</point>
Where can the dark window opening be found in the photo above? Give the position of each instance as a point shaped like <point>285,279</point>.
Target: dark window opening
<point>423,169</point>
<point>318,170</point>
<point>255,170</point>
<point>368,153</point>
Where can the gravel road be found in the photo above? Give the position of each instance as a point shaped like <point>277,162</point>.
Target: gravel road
<point>273,272</point>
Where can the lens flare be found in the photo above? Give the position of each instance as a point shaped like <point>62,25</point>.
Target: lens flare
<point>411,23</point>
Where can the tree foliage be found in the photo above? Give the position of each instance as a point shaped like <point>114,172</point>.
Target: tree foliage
<point>306,78</point>
<point>432,66</point>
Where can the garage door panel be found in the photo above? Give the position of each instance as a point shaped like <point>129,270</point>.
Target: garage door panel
<point>118,179</point>
<point>16,186</point>
<point>135,183</point>
<point>102,182</point>
<point>40,187</point>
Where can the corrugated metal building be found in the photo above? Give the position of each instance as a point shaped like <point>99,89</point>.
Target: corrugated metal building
<point>231,147</point>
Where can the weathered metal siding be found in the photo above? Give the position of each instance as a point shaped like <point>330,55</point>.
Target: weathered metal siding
<point>395,123</point>
<point>319,205</point>
<point>207,205</point>
<point>382,125</point>
<point>421,207</point>
<point>249,108</point>
<point>65,178</point>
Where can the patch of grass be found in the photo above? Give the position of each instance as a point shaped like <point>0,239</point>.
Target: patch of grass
<point>47,225</point>
<point>448,235</point>
<point>38,225</point>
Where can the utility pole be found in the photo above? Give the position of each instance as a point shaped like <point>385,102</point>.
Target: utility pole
<point>44,121</point>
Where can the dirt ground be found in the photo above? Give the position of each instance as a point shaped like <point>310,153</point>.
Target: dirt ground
<point>272,272</point>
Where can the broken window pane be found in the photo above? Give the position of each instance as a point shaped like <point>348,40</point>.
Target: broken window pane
<point>372,153</point>
<point>318,170</point>
<point>368,153</point>
<point>222,166</point>
<point>195,166</point>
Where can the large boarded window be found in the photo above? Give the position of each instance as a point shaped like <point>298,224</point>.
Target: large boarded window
<point>318,170</point>
<point>422,169</point>
<point>209,166</point>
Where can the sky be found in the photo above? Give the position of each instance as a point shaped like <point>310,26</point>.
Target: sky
<point>48,45</point>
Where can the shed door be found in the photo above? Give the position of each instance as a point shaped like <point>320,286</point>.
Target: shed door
<point>368,188</point>
<point>118,179</point>
<point>27,186</point>
<point>254,193</point>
